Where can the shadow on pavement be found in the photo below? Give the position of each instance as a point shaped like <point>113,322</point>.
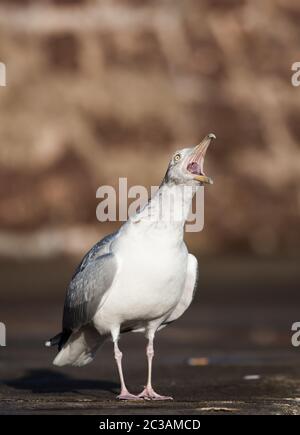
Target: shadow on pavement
<point>48,381</point>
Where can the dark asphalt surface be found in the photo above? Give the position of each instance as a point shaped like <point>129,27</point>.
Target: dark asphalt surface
<point>239,326</point>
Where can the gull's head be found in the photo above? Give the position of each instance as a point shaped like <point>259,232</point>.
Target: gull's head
<point>187,165</point>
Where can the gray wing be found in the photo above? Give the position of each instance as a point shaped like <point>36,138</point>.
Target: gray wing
<point>102,247</point>
<point>89,285</point>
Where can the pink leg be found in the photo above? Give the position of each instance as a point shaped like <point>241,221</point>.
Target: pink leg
<point>148,393</point>
<point>124,394</point>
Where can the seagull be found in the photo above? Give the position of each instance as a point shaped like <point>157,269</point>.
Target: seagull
<point>138,279</point>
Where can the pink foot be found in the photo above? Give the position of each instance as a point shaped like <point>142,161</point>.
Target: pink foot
<point>125,395</point>
<point>150,394</point>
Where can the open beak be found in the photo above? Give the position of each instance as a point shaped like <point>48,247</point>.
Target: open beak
<point>196,160</point>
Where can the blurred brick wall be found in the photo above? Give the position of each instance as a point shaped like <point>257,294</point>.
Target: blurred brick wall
<point>102,89</point>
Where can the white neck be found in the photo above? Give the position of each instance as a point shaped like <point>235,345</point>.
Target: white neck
<point>168,209</point>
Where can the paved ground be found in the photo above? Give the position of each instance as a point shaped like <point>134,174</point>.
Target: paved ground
<point>239,326</point>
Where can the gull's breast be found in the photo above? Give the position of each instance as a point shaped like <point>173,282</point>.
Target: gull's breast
<point>149,284</point>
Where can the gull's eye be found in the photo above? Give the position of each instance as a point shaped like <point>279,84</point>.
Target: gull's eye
<point>177,157</point>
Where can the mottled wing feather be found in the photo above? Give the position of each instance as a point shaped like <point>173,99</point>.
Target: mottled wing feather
<point>89,285</point>
<point>100,248</point>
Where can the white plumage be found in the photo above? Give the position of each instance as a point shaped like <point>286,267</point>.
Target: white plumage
<point>138,279</point>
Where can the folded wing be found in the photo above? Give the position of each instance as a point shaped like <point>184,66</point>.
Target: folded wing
<point>88,288</point>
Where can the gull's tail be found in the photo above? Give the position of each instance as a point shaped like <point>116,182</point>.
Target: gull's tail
<point>59,340</point>
<point>77,348</point>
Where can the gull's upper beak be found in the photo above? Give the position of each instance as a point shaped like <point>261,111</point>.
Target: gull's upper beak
<point>196,160</point>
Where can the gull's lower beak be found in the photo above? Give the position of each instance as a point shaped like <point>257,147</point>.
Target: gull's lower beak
<point>203,179</point>
<point>196,160</point>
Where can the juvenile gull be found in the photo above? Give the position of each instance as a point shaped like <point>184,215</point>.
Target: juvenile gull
<point>140,278</point>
